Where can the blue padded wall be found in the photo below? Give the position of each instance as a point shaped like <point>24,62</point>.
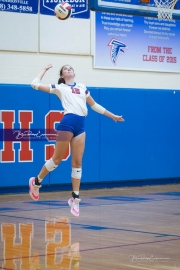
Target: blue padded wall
<point>122,145</point>
<point>145,146</point>
<point>162,134</point>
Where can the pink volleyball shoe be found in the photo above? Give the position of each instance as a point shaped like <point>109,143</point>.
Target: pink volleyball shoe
<point>74,204</point>
<point>34,189</point>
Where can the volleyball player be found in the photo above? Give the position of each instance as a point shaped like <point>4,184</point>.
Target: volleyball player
<point>71,129</point>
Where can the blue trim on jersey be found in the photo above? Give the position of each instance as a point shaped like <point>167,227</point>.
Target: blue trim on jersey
<point>72,123</point>
<point>72,85</point>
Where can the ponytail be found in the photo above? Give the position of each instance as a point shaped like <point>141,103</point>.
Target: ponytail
<point>61,80</point>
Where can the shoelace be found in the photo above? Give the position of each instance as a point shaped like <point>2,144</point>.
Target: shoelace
<point>36,189</point>
<point>76,204</point>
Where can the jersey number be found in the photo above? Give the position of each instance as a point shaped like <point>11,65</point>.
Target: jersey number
<point>75,91</point>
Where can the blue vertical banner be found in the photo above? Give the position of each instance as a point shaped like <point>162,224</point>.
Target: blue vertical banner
<point>21,6</point>
<point>136,43</point>
<point>79,8</point>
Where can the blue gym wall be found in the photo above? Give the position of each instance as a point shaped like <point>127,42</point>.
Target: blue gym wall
<point>144,148</point>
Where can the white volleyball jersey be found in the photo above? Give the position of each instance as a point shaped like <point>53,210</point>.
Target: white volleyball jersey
<point>73,98</point>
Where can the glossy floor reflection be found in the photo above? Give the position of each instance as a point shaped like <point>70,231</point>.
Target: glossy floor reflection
<point>125,228</point>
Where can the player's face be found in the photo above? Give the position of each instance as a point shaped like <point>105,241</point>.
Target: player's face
<point>67,71</point>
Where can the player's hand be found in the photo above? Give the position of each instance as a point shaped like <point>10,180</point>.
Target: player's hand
<point>118,118</point>
<point>48,67</point>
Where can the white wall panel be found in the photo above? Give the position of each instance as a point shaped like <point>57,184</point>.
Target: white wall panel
<point>21,68</point>
<point>62,42</point>
<point>64,37</point>
<point>19,32</point>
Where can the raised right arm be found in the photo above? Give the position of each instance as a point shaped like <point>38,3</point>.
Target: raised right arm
<point>36,83</point>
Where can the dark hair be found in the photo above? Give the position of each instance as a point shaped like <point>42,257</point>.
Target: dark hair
<point>61,80</point>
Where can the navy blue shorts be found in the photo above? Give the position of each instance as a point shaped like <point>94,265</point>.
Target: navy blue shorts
<point>73,123</point>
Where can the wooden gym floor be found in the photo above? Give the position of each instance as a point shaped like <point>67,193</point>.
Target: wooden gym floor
<point>123,228</point>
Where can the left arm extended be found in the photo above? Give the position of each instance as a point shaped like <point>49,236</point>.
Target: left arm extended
<point>98,108</point>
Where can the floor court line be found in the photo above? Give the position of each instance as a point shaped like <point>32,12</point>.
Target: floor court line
<point>86,226</point>
<point>103,248</point>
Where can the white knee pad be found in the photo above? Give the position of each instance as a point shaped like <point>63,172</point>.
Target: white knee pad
<point>76,173</point>
<point>50,165</point>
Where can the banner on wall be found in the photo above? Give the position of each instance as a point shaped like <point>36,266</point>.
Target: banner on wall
<point>136,43</point>
<point>79,8</point>
<point>20,6</point>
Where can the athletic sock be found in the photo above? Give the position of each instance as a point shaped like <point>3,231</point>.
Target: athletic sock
<point>37,181</point>
<point>75,195</point>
